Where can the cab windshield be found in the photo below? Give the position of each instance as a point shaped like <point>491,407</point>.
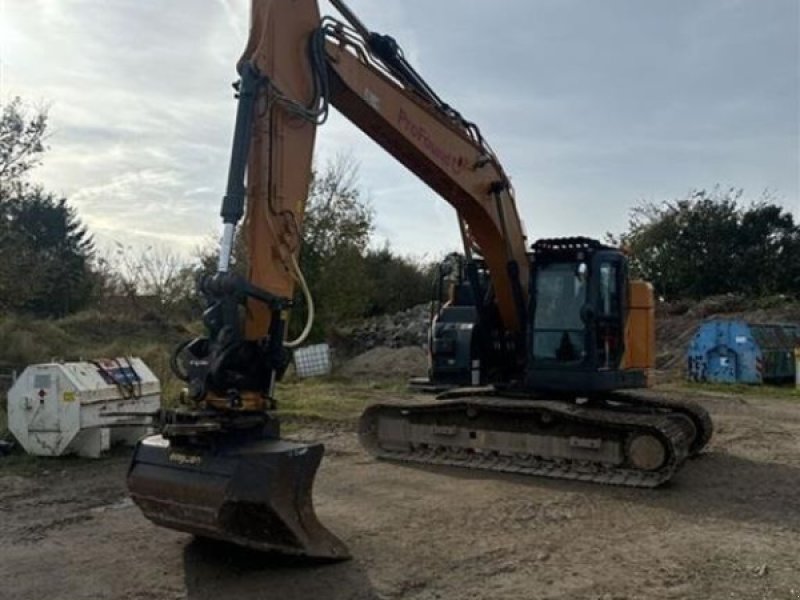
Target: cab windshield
<point>558,330</point>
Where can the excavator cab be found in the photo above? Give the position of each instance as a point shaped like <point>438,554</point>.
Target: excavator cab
<point>589,327</point>
<point>579,306</point>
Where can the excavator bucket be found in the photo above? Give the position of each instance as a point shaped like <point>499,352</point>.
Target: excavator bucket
<point>255,494</point>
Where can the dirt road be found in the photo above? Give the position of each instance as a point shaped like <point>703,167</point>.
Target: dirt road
<point>726,527</point>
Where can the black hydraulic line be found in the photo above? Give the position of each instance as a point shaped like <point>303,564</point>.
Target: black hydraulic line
<point>496,189</point>
<point>471,269</point>
<point>351,18</point>
<point>519,298</point>
<point>464,238</point>
<point>233,202</point>
<point>436,296</point>
<point>275,349</point>
<point>388,51</point>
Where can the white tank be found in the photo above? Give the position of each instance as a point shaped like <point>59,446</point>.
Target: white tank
<point>66,408</point>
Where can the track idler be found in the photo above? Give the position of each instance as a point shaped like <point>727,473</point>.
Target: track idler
<point>254,493</point>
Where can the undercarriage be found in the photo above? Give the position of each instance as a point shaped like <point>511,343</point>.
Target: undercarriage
<point>624,439</point>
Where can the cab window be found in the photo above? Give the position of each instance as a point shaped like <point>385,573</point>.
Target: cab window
<point>558,330</point>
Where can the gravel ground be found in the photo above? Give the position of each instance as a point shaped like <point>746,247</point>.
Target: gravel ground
<point>726,527</point>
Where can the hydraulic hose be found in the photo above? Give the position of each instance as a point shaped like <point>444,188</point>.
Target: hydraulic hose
<point>309,310</point>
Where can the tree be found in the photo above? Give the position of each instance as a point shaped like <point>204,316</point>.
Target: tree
<point>710,243</point>
<point>22,138</point>
<point>47,253</point>
<point>396,282</point>
<point>154,278</point>
<point>46,249</point>
<point>336,231</point>
<point>337,216</point>
<point>769,250</point>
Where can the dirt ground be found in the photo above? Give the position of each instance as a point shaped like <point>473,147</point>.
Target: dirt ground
<point>726,527</point>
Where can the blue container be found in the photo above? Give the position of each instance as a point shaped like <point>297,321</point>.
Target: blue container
<point>735,351</point>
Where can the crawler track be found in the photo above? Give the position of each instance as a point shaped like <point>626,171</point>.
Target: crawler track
<point>698,414</point>
<point>624,439</point>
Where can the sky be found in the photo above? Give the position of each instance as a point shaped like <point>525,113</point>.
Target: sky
<point>592,107</point>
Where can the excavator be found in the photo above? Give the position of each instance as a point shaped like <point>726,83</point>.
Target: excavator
<point>542,347</point>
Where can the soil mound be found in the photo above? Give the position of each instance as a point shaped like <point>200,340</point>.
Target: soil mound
<point>406,328</point>
<point>384,362</point>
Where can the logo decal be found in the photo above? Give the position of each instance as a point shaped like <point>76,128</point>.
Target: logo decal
<point>420,135</point>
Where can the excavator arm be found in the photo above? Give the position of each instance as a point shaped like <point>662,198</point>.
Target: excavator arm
<point>303,65</point>
<point>435,143</point>
<point>219,468</point>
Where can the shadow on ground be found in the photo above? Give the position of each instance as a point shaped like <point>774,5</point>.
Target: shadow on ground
<point>215,570</point>
<point>713,485</point>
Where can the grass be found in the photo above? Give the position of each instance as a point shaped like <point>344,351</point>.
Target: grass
<point>91,334</point>
<point>738,389</point>
<point>332,398</point>
<point>24,340</point>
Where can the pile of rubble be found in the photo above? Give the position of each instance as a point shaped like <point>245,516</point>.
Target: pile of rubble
<point>386,363</point>
<point>406,328</point>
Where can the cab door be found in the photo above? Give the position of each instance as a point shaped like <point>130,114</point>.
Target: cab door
<point>559,331</point>
<point>609,317</point>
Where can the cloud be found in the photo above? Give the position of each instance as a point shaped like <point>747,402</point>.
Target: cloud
<point>590,106</point>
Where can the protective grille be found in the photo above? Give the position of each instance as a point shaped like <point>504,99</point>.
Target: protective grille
<point>312,361</point>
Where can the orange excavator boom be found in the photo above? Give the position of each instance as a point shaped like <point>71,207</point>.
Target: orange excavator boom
<point>218,467</point>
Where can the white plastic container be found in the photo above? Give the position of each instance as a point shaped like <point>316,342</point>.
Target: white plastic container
<point>65,408</point>
<point>312,361</point>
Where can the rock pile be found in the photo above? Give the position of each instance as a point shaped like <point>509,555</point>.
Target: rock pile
<point>406,328</point>
<point>386,363</point>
